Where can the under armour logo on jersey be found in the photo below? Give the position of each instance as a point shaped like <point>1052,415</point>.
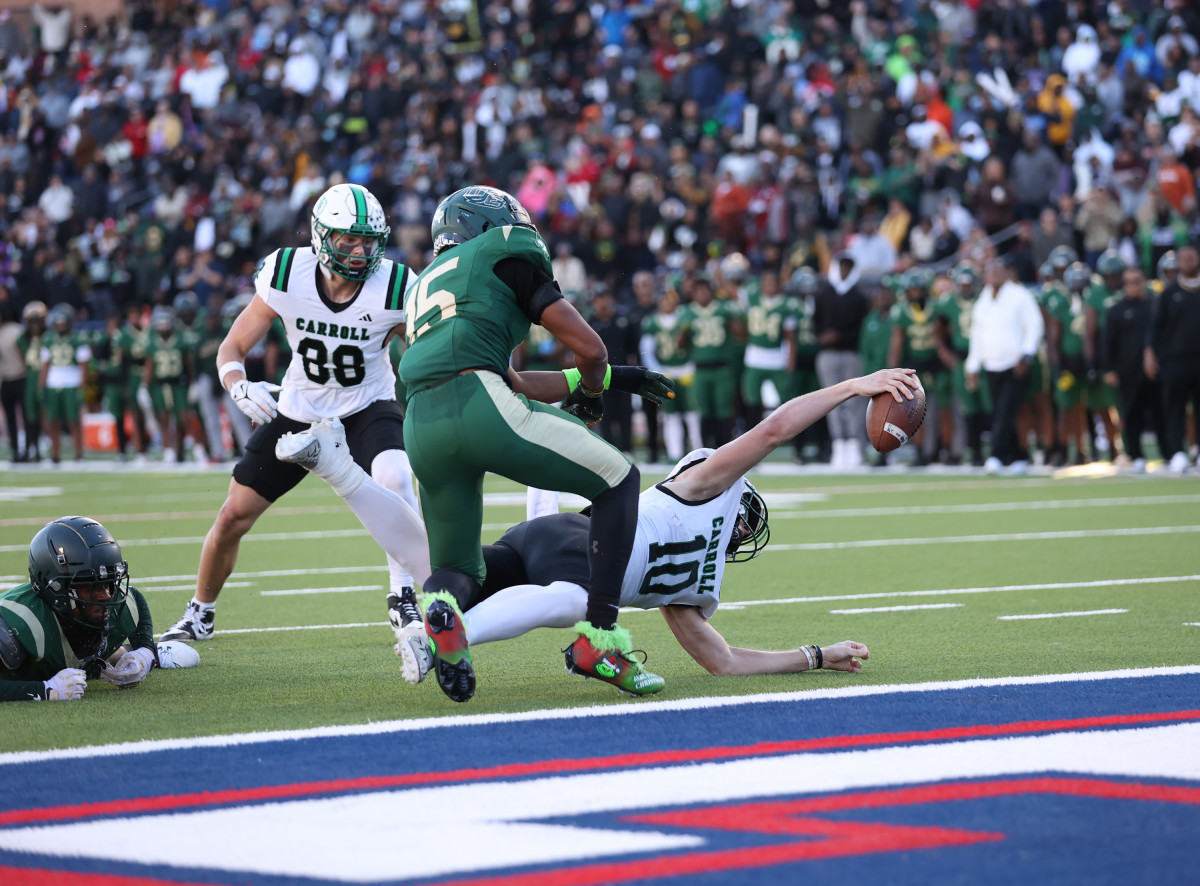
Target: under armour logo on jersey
<point>365,318</point>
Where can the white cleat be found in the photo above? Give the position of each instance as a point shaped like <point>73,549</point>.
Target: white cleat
<point>412,643</point>
<point>323,450</point>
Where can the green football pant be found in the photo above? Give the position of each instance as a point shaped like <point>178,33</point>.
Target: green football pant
<point>752,383</point>
<point>169,397</point>
<point>713,392</point>
<point>458,431</point>
<point>62,404</point>
<point>976,402</point>
<point>33,397</point>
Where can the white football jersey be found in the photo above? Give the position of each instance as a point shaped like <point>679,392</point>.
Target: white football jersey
<point>679,547</point>
<point>339,361</point>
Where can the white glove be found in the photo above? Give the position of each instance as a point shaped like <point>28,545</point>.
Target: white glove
<point>67,684</point>
<point>255,400</point>
<point>130,669</point>
<point>194,392</point>
<point>143,399</point>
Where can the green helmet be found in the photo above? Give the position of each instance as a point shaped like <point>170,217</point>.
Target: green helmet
<point>805,281</point>
<point>61,315</point>
<point>1077,276</point>
<point>1061,257</point>
<point>72,551</point>
<point>349,209</point>
<point>187,306</point>
<point>966,279</point>
<point>469,212</point>
<point>1046,271</point>
<point>1167,264</point>
<point>1110,262</point>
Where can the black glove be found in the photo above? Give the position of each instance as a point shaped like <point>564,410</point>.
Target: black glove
<point>588,408</point>
<point>646,383</point>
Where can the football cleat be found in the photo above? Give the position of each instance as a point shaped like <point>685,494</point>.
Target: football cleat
<point>174,654</point>
<point>451,655</point>
<point>611,662</point>
<point>412,644</point>
<point>195,625</point>
<point>323,450</point>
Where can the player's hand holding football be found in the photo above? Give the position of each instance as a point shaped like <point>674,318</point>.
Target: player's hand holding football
<point>900,383</point>
<point>586,406</point>
<point>255,399</point>
<point>844,656</point>
<point>67,685</point>
<point>646,383</point>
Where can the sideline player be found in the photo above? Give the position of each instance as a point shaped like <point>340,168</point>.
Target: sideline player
<point>340,301</point>
<point>76,618</point>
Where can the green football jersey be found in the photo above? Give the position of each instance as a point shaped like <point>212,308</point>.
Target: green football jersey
<point>1100,298</point>
<point>806,336</point>
<point>31,347</point>
<point>63,348</point>
<point>1067,308</point>
<point>665,330</point>
<point>874,340</point>
<point>460,315</point>
<point>168,355</point>
<point>917,324</point>
<point>112,354</point>
<point>767,319</point>
<point>956,312</point>
<point>712,338</point>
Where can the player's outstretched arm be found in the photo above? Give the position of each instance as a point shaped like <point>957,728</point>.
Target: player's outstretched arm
<point>705,644</point>
<point>734,459</point>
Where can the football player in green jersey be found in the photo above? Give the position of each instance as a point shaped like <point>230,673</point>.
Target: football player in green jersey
<point>953,332</point>
<point>659,349</point>
<point>913,345</point>
<point>33,318</point>
<point>65,357</point>
<point>112,351</point>
<point>76,618</point>
<point>771,322</point>
<point>168,372</point>
<point>1105,289</point>
<point>470,413</point>
<point>710,330</point>
<point>1068,368</point>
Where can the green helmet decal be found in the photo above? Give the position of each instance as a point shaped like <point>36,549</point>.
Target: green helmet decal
<point>469,212</point>
<point>349,231</point>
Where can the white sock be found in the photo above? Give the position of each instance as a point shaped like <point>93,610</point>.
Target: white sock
<point>202,606</point>
<point>521,608</point>
<point>693,426</point>
<point>391,470</point>
<point>673,435</point>
<point>540,502</point>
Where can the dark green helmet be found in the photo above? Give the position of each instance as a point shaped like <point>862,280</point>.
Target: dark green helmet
<point>966,280</point>
<point>1077,276</point>
<point>1167,264</point>
<point>1046,271</point>
<point>751,531</point>
<point>61,315</point>
<point>72,551</point>
<point>469,212</point>
<point>914,278</point>
<point>1110,262</point>
<point>187,306</point>
<point>805,281</point>
<point>1061,257</point>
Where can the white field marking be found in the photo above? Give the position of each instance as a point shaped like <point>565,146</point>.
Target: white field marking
<point>501,823</point>
<point>966,539</point>
<point>160,516</point>
<point>343,589</point>
<point>24,493</point>
<point>1062,614</point>
<point>1191,624</point>
<point>275,573</point>
<point>619,709</point>
<point>954,486</point>
<point>988,508</point>
<point>358,624</point>
<point>186,587</point>
<point>311,535</point>
<point>896,608</point>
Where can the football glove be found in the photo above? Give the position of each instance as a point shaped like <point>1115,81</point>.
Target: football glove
<point>588,408</point>
<point>646,383</point>
<point>130,670</point>
<point>67,684</point>
<point>255,400</point>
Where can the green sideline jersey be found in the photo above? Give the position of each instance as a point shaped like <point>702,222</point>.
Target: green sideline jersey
<point>956,312</point>
<point>874,341</point>
<point>168,356</point>
<point>1100,298</point>
<point>768,318</point>
<point>711,340</point>
<point>460,315</point>
<point>1067,309</point>
<point>63,350</point>
<point>47,650</point>
<point>664,329</point>
<point>916,323</point>
<point>113,354</point>
<point>30,347</point>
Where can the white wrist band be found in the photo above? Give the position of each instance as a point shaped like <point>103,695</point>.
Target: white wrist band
<point>228,368</point>
<point>808,655</point>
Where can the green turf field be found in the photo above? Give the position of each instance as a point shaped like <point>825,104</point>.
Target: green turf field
<point>893,543</point>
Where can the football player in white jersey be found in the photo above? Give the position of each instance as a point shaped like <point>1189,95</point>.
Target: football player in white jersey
<point>340,301</point>
<point>704,515</point>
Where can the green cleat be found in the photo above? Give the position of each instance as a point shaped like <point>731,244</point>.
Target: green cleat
<point>448,640</point>
<point>608,656</point>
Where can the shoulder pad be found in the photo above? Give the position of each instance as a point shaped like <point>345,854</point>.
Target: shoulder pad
<point>514,241</point>
<point>398,281</point>
<point>276,269</point>
<point>12,653</point>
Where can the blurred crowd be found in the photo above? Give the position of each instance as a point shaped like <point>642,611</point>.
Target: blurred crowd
<point>670,152</point>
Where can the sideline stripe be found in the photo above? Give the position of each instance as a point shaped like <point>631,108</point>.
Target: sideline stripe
<point>896,608</point>
<point>1053,505</point>
<point>1062,614</point>
<point>176,802</point>
<point>961,539</point>
<point>617,709</point>
<point>344,589</point>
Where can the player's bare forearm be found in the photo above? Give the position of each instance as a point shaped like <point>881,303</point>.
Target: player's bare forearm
<point>568,326</point>
<point>545,387</point>
<point>247,330</point>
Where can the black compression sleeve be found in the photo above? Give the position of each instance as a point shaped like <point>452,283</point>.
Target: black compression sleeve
<point>534,290</point>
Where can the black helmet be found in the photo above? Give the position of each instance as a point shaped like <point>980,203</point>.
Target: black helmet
<point>72,551</point>
<point>469,212</point>
<point>751,531</point>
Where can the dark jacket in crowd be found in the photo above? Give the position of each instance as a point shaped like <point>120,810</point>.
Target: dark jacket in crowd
<point>1125,328</point>
<point>1175,329</point>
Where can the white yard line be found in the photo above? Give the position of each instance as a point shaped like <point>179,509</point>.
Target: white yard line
<point>1058,504</point>
<point>580,713</point>
<point>1000,536</point>
<point>896,608</point>
<point>344,589</point>
<point>1061,614</point>
<point>141,586</point>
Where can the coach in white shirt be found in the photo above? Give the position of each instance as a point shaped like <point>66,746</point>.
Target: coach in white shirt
<point>1006,330</point>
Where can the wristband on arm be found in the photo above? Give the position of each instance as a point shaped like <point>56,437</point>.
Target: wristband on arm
<point>575,378</point>
<point>226,368</point>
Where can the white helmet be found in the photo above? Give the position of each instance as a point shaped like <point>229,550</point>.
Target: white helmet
<point>349,209</point>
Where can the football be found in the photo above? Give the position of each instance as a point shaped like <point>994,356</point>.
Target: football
<point>891,424</point>
<point>176,654</point>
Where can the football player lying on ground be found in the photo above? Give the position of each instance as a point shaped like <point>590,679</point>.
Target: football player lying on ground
<point>75,618</point>
<point>706,513</point>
